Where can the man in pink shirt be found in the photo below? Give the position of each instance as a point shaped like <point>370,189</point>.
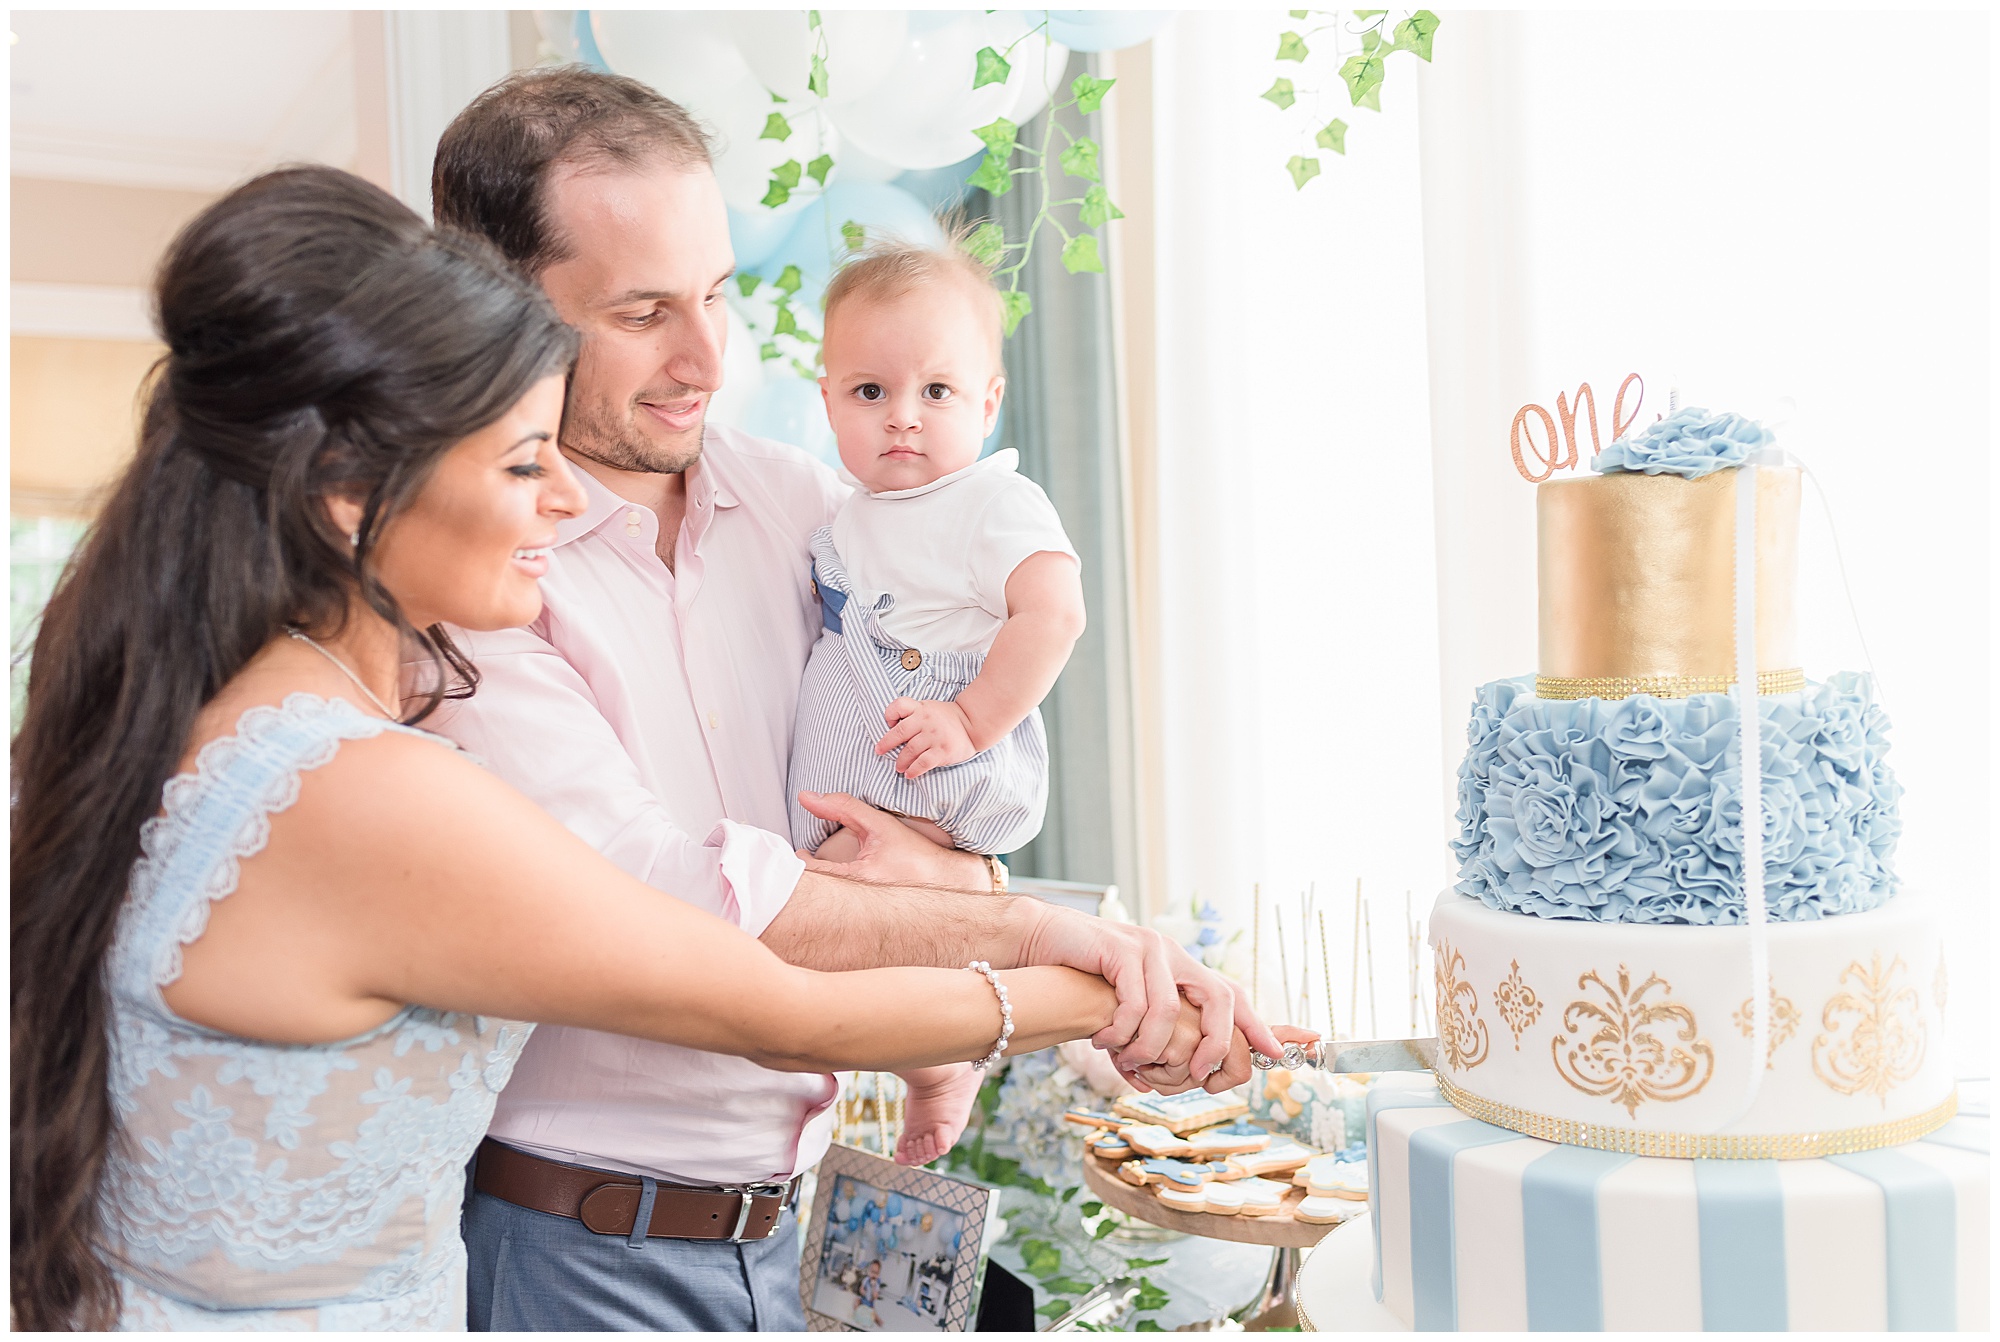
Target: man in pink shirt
<point>628,1184</point>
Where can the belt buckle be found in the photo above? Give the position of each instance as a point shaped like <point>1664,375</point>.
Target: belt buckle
<point>749,1193</point>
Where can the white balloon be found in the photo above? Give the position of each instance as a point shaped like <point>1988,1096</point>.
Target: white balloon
<point>742,375</point>
<point>1038,63</point>
<point>861,48</point>
<point>744,159</point>
<point>684,56</point>
<point>855,164</point>
<point>923,113</point>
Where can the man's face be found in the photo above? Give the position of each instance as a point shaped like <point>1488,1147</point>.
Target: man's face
<point>649,254</point>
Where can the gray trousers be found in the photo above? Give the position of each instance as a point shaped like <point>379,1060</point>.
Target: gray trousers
<point>528,1271</point>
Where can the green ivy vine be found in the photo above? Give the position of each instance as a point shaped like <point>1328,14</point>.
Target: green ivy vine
<point>1361,74</point>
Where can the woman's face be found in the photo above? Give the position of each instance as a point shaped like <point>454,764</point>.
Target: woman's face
<point>472,547</point>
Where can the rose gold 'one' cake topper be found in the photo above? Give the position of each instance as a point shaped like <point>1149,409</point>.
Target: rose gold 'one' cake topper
<point>1562,455</point>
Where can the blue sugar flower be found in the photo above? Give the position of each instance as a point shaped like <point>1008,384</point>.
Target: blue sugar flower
<point>1690,442</point>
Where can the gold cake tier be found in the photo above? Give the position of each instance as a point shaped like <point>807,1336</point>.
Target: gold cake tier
<point>1637,579</point>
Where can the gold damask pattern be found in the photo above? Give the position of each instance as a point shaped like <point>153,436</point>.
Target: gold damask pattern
<point>1700,1145</point>
<point>1784,1023</point>
<point>1461,1034</point>
<point>1518,1004</point>
<point>1874,1036</point>
<point>1625,1057</point>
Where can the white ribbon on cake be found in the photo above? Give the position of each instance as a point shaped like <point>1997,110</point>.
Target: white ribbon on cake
<point>1751,791</point>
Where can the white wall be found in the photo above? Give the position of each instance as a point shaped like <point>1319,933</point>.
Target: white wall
<point>1742,205</point>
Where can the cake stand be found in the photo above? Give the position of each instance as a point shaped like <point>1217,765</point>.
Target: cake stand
<point>1334,1294</point>
<point>1276,1302</point>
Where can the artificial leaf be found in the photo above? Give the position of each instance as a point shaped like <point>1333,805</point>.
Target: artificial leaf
<point>1097,208</point>
<point>1040,1257</point>
<point>1054,1309</point>
<point>1067,1286</point>
<point>1091,1208</point>
<point>1333,135</point>
<point>812,18</point>
<point>1148,1326</point>
<point>1361,74</point>
<point>986,245</point>
<point>1414,33</point>
<point>776,127</point>
<point>768,350</point>
<point>1298,13</point>
<point>1372,100</point>
<point>789,281</point>
<point>1150,1297</point>
<point>1302,169</point>
<point>854,235</point>
<point>992,176</point>
<point>1369,13</point>
<point>786,323</point>
<point>1291,47</point>
<point>799,367</point>
<point>1015,305</point>
<point>1080,159</point>
<point>1104,1227</point>
<point>787,174</point>
<point>998,136</point>
<point>777,195</point>
<point>1371,39</point>
<point>990,67</point>
<point>816,81</point>
<point>819,168</point>
<point>1280,94</point>
<point>1134,1264</point>
<point>747,282</point>
<point>1089,91</point>
<point>1079,254</point>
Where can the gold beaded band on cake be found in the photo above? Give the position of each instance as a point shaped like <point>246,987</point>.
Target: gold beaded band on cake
<point>1790,680</point>
<point>1700,1145</point>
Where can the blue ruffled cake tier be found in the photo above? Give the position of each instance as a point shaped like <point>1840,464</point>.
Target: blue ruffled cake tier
<point>1628,810</point>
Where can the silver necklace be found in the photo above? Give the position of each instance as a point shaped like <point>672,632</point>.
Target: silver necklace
<point>306,638</point>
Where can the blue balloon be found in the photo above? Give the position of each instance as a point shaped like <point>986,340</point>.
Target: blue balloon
<point>754,236</point>
<point>788,409</point>
<point>869,1212</point>
<point>954,1240</point>
<point>895,1204</point>
<point>854,1224</point>
<point>815,241</point>
<point>940,189</point>
<point>1104,29</point>
<point>583,44</point>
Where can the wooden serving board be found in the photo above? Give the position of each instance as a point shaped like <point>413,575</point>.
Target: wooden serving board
<point>1279,1231</point>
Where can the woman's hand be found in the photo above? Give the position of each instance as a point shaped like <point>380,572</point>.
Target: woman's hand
<point>1171,1078</point>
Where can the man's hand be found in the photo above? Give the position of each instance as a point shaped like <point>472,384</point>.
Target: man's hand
<point>1150,975</point>
<point>931,733</point>
<point>891,853</point>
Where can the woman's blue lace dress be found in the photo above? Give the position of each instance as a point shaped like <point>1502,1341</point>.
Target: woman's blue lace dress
<point>273,1186</point>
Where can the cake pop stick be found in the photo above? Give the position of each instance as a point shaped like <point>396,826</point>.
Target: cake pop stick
<point>1256,935</point>
<point>1354,967</point>
<point>1284,966</point>
<point>1368,935</point>
<point>1326,974</point>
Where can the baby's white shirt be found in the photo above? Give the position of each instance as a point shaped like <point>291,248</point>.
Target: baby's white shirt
<point>946,549</point>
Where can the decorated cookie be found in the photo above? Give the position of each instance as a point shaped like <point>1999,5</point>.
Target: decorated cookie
<point>1187,1112</point>
<point>1323,1211</point>
<point>1280,1157</point>
<point>1261,1197</point>
<point>1183,1199</point>
<point>1093,1118</point>
<point>1185,1173</point>
<point>1229,1139</point>
<point>1332,1177</point>
<point>1223,1199</point>
<point>1150,1139</point>
<point>1110,1145</point>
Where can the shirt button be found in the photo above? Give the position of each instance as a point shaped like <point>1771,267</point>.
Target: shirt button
<point>714,722</point>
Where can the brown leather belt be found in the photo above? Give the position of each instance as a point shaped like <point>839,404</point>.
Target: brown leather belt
<point>609,1203</point>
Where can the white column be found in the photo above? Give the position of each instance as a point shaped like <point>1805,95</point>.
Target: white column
<point>438,61</point>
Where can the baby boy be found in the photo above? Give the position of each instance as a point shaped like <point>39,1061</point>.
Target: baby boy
<point>951,597</point>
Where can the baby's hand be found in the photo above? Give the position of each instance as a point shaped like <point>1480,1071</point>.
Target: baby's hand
<point>929,732</point>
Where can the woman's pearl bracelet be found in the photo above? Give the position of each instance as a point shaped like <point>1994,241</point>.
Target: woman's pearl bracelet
<point>1006,1013</point>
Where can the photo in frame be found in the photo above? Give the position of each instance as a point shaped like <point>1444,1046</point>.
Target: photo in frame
<point>891,1248</point>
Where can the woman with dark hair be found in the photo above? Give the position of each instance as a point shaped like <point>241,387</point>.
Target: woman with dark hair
<point>254,1111</point>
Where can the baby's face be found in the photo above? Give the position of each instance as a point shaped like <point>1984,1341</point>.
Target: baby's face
<point>911,386</point>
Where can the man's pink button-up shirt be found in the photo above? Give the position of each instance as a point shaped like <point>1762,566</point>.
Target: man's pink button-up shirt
<point>651,712</point>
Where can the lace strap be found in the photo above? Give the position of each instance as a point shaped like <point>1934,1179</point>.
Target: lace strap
<point>213,818</point>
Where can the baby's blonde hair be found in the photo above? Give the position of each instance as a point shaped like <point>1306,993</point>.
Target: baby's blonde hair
<point>890,268</point>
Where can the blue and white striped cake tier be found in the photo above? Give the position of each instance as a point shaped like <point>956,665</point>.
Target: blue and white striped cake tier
<point>1479,1227</point>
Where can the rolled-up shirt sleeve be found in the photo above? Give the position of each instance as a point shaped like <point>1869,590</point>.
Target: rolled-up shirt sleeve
<point>537,724</point>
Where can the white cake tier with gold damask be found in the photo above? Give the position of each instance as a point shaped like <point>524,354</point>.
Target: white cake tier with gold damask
<point>1636,1037</point>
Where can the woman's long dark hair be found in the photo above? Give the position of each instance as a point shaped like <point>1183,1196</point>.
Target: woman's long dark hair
<point>321,340</point>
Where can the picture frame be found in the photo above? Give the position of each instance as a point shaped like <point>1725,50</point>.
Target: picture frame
<point>893,1248</point>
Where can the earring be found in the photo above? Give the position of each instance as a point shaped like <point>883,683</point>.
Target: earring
<point>354,539</point>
